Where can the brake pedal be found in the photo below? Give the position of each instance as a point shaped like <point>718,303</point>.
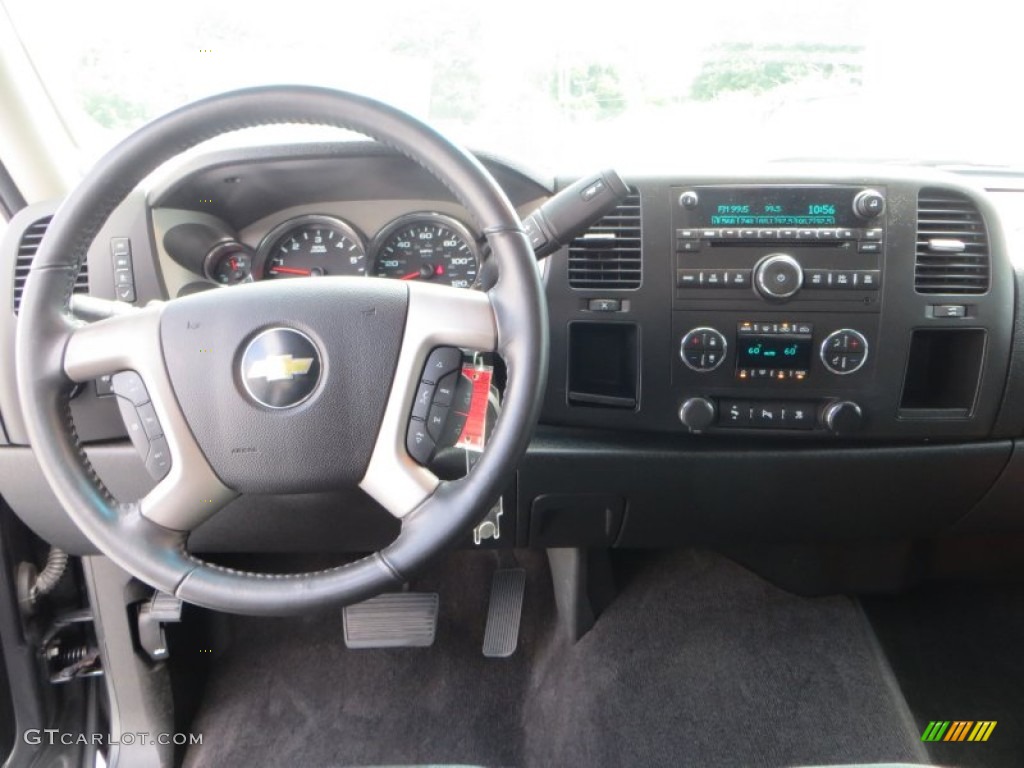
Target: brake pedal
<point>392,620</point>
<point>504,613</point>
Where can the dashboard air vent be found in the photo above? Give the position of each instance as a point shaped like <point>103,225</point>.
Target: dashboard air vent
<point>608,255</point>
<point>952,244</point>
<point>27,248</point>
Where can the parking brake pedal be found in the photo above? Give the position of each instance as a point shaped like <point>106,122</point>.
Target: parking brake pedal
<point>392,620</point>
<point>505,612</point>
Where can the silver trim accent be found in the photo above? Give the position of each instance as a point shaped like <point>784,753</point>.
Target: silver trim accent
<point>438,316</point>
<point>190,493</point>
<point>824,344</point>
<point>771,258</point>
<point>243,375</point>
<point>828,416</point>
<point>703,329</point>
<point>424,216</point>
<point>272,238</point>
<point>946,245</point>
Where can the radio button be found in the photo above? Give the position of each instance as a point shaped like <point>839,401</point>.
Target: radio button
<point>874,247</point>
<point>807,234</point>
<point>869,279</point>
<point>710,234</point>
<point>826,234</point>
<point>688,278</point>
<point>748,234</point>
<point>787,234</point>
<point>730,233</point>
<point>687,246</point>
<point>739,278</point>
<point>817,278</point>
<point>711,279</point>
<point>843,279</point>
<point>686,234</point>
<point>846,234</point>
<point>767,234</point>
<point>872,234</point>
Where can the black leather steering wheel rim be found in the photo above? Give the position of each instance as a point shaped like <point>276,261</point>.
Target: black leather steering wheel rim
<point>157,554</point>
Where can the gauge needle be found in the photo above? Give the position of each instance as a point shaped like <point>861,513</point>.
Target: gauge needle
<point>411,275</point>
<point>290,271</point>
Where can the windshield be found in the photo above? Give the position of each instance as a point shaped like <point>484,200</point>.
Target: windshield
<point>566,86</point>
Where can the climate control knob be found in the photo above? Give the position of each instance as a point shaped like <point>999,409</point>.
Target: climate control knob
<point>842,418</point>
<point>702,349</point>
<point>697,413</point>
<point>778,276</point>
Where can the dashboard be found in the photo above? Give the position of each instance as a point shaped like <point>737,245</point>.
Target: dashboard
<point>796,352</point>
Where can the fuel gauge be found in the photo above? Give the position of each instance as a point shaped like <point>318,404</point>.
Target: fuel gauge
<point>229,263</point>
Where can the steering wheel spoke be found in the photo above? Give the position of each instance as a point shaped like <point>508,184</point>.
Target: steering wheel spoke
<point>437,317</point>
<point>188,491</point>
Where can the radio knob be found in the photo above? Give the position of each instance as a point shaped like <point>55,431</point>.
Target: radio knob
<point>778,276</point>
<point>842,418</point>
<point>869,203</point>
<point>697,413</point>
<point>689,199</point>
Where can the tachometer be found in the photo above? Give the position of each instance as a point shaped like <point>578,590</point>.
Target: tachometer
<point>313,246</point>
<point>427,246</point>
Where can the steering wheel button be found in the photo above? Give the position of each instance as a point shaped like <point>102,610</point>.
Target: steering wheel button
<point>424,396</point>
<point>441,362</point>
<point>436,421</point>
<point>418,442</point>
<point>158,464</point>
<point>150,423</point>
<point>133,425</point>
<point>129,385</point>
<point>446,389</point>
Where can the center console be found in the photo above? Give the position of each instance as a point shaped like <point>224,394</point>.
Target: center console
<point>787,277</point>
<point>809,306</point>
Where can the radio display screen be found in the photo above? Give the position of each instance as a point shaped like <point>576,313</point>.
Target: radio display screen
<point>777,207</point>
<point>776,352</point>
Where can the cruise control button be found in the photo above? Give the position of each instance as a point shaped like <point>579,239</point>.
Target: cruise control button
<point>158,464</point>
<point>441,362</point>
<point>133,425</point>
<point>128,384</point>
<point>463,395</point>
<point>150,423</point>
<point>424,397</point>
<point>417,442</point>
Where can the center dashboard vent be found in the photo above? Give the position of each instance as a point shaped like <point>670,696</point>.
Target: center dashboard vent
<point>608,255</point>
<point>27,247</point>
<point>952,244</point>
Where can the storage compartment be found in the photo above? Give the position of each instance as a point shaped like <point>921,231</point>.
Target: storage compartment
<point>576,520</point>
<point>943,372</point>
<point>604,365</point>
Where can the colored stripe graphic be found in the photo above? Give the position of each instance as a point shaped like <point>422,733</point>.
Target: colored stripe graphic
<point>958,730</point>
<point>935,731</point>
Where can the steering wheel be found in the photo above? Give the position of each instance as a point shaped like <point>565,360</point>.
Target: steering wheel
<point>362,342</point>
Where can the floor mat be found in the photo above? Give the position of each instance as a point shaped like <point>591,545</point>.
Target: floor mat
<point>290,693</point>
<point>699,662</point>
<point>957,653</point>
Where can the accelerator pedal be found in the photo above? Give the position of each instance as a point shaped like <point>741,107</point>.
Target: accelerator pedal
<point>392,620</point>
<point>505,612</point>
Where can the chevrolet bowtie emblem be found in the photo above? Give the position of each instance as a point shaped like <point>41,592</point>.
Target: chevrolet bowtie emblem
<point>279,368</point>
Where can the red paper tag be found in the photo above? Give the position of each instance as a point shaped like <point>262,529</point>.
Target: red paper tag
<point>474,434</point>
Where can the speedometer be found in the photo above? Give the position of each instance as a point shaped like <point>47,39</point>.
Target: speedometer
<point>427,246</point>
<point>313,246</point>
